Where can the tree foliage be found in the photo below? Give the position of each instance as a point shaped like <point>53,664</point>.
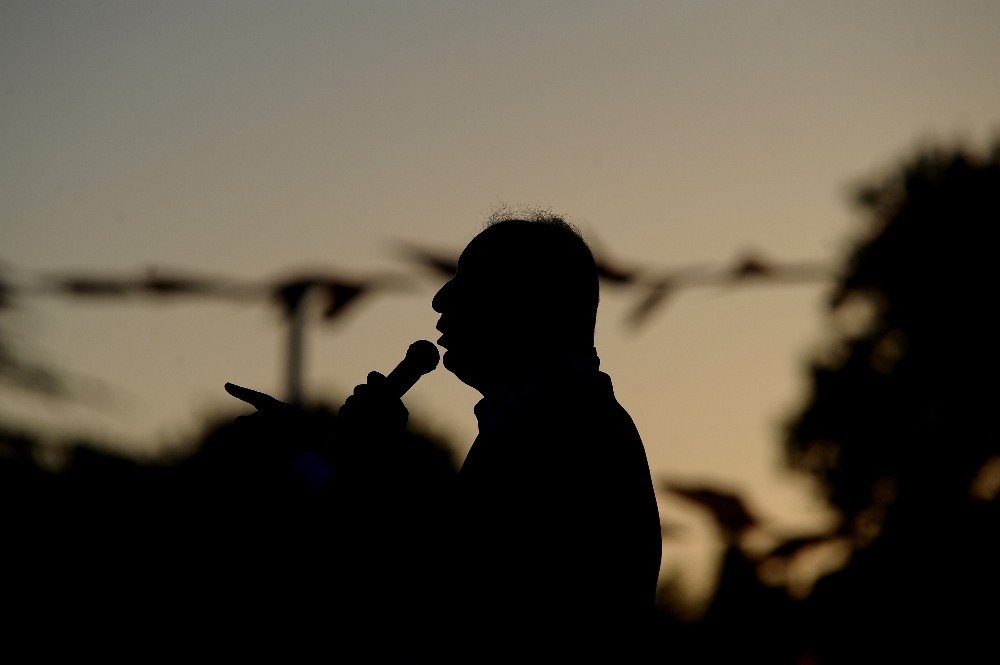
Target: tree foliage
<point>900,403</point>
<point>899,428</point>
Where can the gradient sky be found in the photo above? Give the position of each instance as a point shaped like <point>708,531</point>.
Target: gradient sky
<point>253,139</point>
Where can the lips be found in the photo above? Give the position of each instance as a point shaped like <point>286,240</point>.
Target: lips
<point>443,339</point>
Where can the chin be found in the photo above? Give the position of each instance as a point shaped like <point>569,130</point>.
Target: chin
<point>453,363</point>
<point>449,362</point>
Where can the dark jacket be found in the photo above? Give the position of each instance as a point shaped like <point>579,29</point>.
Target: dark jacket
<point>558,518</point>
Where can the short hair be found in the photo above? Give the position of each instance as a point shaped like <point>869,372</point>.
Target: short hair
<point>553,270</point>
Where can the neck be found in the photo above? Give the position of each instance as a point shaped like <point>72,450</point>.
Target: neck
<point>513,377</point>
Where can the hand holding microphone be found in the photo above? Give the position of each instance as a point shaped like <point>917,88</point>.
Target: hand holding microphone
<point>372,419</point>
<point>376,406</point>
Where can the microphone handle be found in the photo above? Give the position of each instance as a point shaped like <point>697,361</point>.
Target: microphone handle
<point>402,377</point>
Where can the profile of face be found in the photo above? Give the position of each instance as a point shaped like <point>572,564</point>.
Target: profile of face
<point>479,314</point>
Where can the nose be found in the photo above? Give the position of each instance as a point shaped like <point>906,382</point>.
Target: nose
<point>442,297</point>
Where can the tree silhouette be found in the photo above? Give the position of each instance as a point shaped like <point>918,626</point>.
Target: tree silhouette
<point>220,547</point>
<point>899,429</point>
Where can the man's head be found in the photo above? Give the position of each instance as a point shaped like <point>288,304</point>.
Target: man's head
<point>524,297</point>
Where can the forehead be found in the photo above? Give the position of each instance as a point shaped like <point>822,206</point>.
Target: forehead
<point>489,255</point>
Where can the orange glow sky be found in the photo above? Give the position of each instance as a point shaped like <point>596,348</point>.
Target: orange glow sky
<point>247,139</point>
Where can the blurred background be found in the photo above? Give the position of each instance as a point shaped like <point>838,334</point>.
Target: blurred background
<point>270,194</point>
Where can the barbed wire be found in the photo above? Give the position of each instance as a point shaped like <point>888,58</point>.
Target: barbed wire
<point>339,293</point>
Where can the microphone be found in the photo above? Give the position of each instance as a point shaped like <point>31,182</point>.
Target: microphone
<point>421,358</point>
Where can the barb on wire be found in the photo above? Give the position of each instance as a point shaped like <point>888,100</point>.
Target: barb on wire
<point>441,264</point>
<point>339,294</point>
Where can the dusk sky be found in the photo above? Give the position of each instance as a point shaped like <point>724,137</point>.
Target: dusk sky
<point>255,140</point>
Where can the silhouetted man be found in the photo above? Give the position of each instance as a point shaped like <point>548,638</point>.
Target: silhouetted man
<point>553,517</point>
<point>556,519</point>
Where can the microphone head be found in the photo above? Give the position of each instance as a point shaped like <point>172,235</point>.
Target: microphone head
<point>423,355</point>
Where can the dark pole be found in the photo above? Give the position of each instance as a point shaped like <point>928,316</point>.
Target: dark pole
<point>296,340</point>
<point>294,298</point>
